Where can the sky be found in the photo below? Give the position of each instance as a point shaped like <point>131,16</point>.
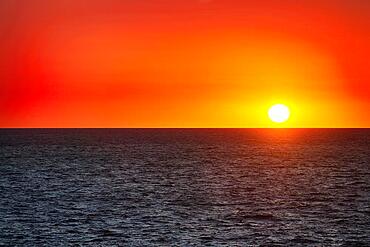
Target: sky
<point>177,63</point>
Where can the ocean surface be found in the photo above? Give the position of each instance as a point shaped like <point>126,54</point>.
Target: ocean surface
<point>185,187</point>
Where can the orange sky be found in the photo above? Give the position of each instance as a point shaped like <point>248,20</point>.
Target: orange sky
<point>193,63</point>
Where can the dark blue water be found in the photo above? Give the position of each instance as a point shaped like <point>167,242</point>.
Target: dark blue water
<point>185,187</point>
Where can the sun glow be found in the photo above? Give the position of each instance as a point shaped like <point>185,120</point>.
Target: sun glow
<point>279,113</point>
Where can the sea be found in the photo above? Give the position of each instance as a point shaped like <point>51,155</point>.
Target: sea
<point>185,187</point>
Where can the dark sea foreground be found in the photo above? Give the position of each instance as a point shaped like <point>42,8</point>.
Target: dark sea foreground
<point>185,187</point>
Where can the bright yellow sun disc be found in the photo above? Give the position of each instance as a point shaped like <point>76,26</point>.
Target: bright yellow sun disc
<point>279,113</point>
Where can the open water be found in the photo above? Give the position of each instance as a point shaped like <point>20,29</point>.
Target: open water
<point>184,187</point>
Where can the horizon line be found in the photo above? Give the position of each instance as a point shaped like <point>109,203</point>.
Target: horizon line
<point>262,128</point>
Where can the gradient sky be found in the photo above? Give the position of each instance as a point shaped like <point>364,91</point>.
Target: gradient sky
<point>177,63</point>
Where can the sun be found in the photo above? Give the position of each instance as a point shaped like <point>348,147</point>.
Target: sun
<point>279,113</point>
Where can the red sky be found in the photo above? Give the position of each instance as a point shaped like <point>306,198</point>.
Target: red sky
<point>194,63</point>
